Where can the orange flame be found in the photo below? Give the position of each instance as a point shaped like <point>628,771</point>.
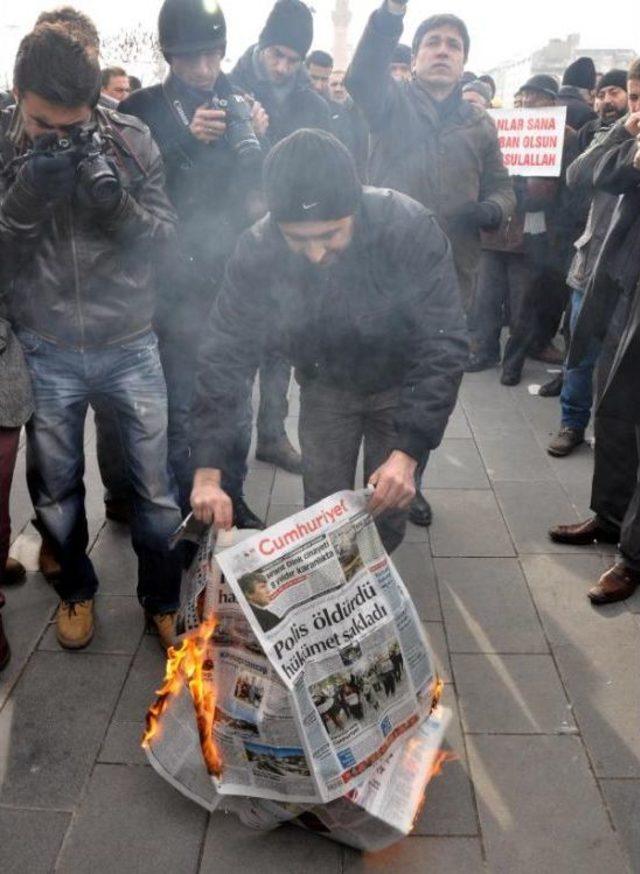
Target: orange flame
<point>438,689</point>
<point>187,664</point>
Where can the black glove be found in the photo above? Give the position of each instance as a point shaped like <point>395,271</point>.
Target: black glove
<point>99,185</point>
<point>52,175</point>
<point>473,216</point>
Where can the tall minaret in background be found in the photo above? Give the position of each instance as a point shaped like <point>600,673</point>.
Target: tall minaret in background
<point>341,47</point>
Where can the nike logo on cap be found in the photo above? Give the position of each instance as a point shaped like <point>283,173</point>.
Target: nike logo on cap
<point>308,206</point>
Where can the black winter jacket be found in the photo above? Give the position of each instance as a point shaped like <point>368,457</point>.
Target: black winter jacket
<point>578,110</point>
<point>386,314</point>
<point>73,278</point>
<point>442,160</point>
<point>348,124</point>
<point>302,108</point>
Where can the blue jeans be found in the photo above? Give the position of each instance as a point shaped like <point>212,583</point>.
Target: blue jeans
<point>576,399</point>
<point>128,378</point>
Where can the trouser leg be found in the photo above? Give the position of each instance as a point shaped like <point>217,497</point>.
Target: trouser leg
<point>522,275</point>
<point>630,531</point>
<point>576,398</point>
<point>275,376</point>
<point>113,471</point>
<point>488,307</point>
<point>9,441</point>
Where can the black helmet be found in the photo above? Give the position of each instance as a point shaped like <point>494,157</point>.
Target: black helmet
<point>191,26</point>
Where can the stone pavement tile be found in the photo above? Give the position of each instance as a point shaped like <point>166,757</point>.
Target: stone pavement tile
<point>436,637</point>
<point>415,566</point>
<point>30,839</point>
<point>287,488</point>
<point>122,744</point>
<point>416,533</point>
<point>542,414</point>
<point>490,420</point>
<point>511,694</point>
<point>25,616</point>
<point>119,627</point>
<point>574,468</point>
<point>94,498</point>
<point>530,509</point>
<point>131,820</point>
<point>633,604</point>
<point>487,606</point>
<point>579,493</point>
<point>279,512</point>
<point>257,489</point>
<point>623,800</point>
<point>468,523</point>
<point>597,651</point>
<point>53,724</point>
<point>144,678</point>
<point>456,464</point>
<point>458,427</point>
<point>417,855</point>
<point>540,809</point>
<point>449,808</point>
<point>231,846</point>
<point>20,506</point>
<point>114,561</point>
<point>516,458</point>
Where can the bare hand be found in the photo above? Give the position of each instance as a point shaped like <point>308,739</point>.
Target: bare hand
<point>208,125</point>
<point>393,483</point>
<point>259,119</point>
<point>632,124</point>
<point>210,504</point>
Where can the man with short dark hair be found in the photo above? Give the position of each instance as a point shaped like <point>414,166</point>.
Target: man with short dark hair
<point>357,289</point>
<point>115,84</point>
<point>348,123</point>
<point>255,588</point>
<point>82,214</point>
<point>429,143</point>
<point>400,67</point>
<point>576,93</point>
<point>320,64</point>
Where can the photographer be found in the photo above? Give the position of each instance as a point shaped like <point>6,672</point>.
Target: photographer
<point>82,215</point>
<point>213,163</point>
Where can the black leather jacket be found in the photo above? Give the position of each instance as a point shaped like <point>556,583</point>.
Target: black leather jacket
<point>71,277</point>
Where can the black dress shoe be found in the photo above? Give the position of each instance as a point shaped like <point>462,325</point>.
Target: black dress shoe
<point>118,510</point>
<point>510,378</point>
<point>420,512</point>
<point>14,573</point>
<point>281,453</point>
<point>244,517</point>
<point>553,388</point>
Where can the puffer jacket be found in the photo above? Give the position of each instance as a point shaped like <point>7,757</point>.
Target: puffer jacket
<point>385,315</point>
<point>443,160</point>
<point>71,277</point>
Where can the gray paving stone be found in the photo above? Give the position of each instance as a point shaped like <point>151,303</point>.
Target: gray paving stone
<point>511,694</point>
<point>487,606</point>
<point>122,745</point>
<point>230,846</point>
<point>131,820</point>
<point>530,509</point>
<point>458,426</point>
<point>489,420</point>
<point>417,855</point>
<point>597,651</point>
<point>415,566</point>
<point>25,615</point>
<point>540,809</point>
<point>287,489</point>
<point>416,533</point>
<point>30,840</point>
<point>623,800</point>
<point>20,506</point>
<point>144,678</point>
<point>435,633</point>
<point>119,627</point>
<point>278,512</point>
<point>574,468</point>
<point>114,561</point>
<point>456,464</point>
<point>53,724</point>
<point>468,523</point>
<point>514,460</point>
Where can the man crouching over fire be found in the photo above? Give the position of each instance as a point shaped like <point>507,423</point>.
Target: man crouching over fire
<point>357,289</point>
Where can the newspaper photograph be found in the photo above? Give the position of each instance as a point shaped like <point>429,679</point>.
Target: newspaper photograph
<point>345,644</point>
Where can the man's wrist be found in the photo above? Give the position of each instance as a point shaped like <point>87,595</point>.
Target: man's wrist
<point>207,476</point>
<point>405,459</point>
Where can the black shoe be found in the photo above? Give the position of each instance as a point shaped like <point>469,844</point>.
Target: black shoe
<point>552,388</point>
<point>244,517</point>
<point>510,378</point>
<point>477,362</point>
<point>118,510</point>
<point>420,512</point>
<point>565,441</point>
<point>281,453</point>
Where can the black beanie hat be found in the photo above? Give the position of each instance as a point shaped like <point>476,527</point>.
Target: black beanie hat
<point>401,55</point>
<point>191,26</point>
<point>615,78</point>
<point>311,177</point>
<point>541,82</point>
<point>289,24</point>
<point>581,74</point>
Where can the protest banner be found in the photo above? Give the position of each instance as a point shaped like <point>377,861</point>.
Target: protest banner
<point>531,140</point>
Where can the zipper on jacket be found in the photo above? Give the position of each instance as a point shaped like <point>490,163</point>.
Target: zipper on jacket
<point>74,258</point>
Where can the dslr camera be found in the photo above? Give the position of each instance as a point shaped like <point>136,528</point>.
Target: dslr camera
<point>240,134</point>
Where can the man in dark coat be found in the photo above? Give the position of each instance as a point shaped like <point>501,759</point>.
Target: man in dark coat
<point>272,73</point>
<point>213,177</point>
<point>429,143</point>
<point>576,93</point>
<point>357,289</point>
<point>348,123</point>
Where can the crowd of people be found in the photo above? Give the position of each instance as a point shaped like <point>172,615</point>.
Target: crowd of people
<point>161,247</point>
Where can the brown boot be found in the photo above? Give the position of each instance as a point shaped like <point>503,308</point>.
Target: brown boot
<point>584,533</point>
<point>75,624</point>
<point>165,626</point>
<point>14,573</point>
<point>47,562</point>
<point>617,584</point>
<point>5,650</point>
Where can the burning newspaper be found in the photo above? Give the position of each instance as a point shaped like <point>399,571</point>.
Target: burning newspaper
<point>314,672</point>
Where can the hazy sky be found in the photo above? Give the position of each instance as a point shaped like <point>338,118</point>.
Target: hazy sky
<point>499,30</point>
